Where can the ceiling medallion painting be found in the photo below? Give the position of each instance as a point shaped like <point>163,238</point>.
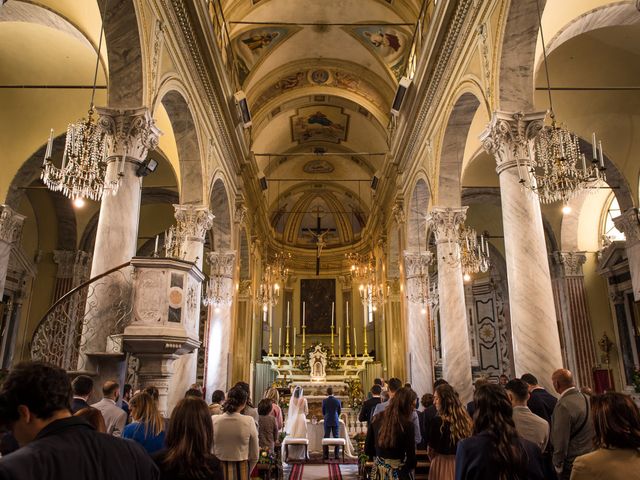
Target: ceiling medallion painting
<point>251,46</point>
<point>322,123</point>
<point>318,166</point>
<point>390,44</point>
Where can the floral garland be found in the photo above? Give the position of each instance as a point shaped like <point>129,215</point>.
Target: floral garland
<point>355,393</point>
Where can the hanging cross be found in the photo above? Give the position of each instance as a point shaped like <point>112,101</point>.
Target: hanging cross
<point>319,233</point>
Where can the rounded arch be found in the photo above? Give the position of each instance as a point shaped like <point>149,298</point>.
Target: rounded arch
<point>220,206</point>
<point>417,216</point>
<point>173,99</point>
<point>452,152</point>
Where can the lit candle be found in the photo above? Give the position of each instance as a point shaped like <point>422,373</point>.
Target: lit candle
<point>355,343</point>
<point>601,155</point>
<point>593,144</point>
<point>47,153</point>
<point>155,250</point>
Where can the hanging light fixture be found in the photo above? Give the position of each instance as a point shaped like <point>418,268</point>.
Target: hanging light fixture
<point>219,289</point>
<point>82,174</point>
<point>274,276</point>
<point>559,170</point>
<point>417,270</point>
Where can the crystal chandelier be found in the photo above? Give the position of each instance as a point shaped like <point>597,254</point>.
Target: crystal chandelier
<point>174,241</point>
<point>417,277</point>
<point>219,288</point>
<point>274,274</point>
<point>358,268</point>
<point>558,171</point>
<point>83,171</point>
<point>474,252</point>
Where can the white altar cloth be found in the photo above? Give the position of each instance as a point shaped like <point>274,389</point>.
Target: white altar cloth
<point>315,434</point>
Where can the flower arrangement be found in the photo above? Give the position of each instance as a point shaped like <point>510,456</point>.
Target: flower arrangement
<point>635,379</point>
<point>266,457</point>
<point>355,393</point>
<point>332,364</point>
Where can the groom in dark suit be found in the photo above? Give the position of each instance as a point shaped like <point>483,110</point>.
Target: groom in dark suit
<point>331,408</point>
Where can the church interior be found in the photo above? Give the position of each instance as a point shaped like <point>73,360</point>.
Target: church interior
<point>321,193</point>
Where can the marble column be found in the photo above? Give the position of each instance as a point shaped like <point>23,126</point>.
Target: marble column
<point>574,311</point>
<point>536,344</point>
<point>629,224</point>
<point>10,230</point>
<point>456,353</point>
<point>219,331</point>
<point>193,221</point>
<point>419,340</point>
<point>131,133</point>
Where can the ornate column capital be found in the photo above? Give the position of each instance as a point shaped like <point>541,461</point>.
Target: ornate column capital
<point>571,263</point>
<point>193,220</point>
<point>398,212</point>
<point>10,224</point>
<point>222,263</point>
<point>240,213</point>
<point>417,263</point>
<point>131,133</point>
<point>509,137</point>
<point>445,222</point>
<point>629,223</point>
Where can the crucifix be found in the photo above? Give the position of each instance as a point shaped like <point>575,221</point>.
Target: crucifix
<point>319,233</point>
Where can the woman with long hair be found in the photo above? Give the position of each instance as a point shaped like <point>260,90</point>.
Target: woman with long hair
<point>448,427</point>
<point>94,417</point>
<point>616,422</point>
<point>273,395</point>
<point>235,437</point>
<point>189,444</point>
<point>148,426</point>
<point>495,451</point>
<point>391,439</point>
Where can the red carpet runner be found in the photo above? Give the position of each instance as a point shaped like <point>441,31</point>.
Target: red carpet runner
<point>296,471</point>
<point>334,471</point>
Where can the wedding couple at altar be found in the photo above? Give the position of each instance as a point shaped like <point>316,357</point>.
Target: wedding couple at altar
<point>296,425</point>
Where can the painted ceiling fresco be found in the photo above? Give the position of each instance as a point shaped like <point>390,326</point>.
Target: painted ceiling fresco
<point>323,123</point>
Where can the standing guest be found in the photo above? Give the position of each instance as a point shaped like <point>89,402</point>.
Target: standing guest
<point>370,404</point>
<point>384,397</point>
<point>249,408</point>
<point>215,407</point>
<point>153,391</point>
<point>529,425</point>
<point>34,402</point>
<point>471,406</point>
<point>147,427</point>
<point>451,425</point>
<point>429,414</point>
<point>235,437</point>
<point>496,451</point>
<point>194,392</point>
<point>503,380</point>
<point>391,439</point>
<point>394,385</point>
<point>540,401</point>
<point>331,409</point>
<point>82,387</point>
<point>426,401</point>
<point>189,444</point>
<point>616,422</point>
<point>127,392</point>
<point>114,417</point>
<point>93,418</point>
<point>8,443</point>
<point>267,427</point>
<point>376,381</point>
<point>571,426</point>
<point>408,385</point>
<point>273,395</point>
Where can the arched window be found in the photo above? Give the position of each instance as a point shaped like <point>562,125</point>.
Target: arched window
<point>613,211</point>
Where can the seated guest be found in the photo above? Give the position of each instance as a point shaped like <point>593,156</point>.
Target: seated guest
<point>616,421</point>
<point>93,418</point>
<point>394,385</point>
<point>235,437</point>
<point>114,417</point>
<point>147,427</point>
<point>249,409</point>
<point>194,392</point>
<point>370,404</point>
<point>528,424</point>
<point>496,451</point>
<point>451,425</point>
<point>189,444</point>
<point>215,407</point>
<point>391,439</point>
<point>82,387</point>
<point>267,428</point>
<point>273,395</point>
<point>35,404</point>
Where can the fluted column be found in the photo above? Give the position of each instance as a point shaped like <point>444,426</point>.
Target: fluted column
<point>629,224</point>
<point>536,344</point>
<point>579,336</point>
<point>194,221</point>
<point>10,230</point>
<point>131,134</point>
<point>456,353</point>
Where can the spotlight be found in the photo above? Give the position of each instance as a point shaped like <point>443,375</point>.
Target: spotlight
<point>466,277</point>
<point>78,202</point>
<point>566,209</point>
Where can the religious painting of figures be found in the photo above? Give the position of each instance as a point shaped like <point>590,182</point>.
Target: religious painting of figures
<point>390,44</point>
<point>317,296</point>
<point>319,123</point>
<point>252,46</point>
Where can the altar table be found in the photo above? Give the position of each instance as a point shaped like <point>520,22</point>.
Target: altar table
<point>315,434</point>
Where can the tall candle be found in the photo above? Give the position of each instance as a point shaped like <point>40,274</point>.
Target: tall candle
<point>155,250</point>
<point>303,314</point>
<point>347,315</point>
<point>339,343</point>
<point>279,340</point>
<point>601,155</point>
<point>287,314</point>
<point>294,341</point>
<point>593,144</point>
<point>332,313</point>
<point>355,343</point>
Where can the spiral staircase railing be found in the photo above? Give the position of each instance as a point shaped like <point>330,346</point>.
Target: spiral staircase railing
<point>68,325</point>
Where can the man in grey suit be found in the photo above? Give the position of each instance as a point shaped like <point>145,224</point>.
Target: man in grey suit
<point>115,417</point>
<point>529,425</point>
<point>572,429</point>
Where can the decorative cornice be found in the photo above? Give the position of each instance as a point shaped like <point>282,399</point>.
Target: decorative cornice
<point>131,133</point>
<point>10,224</point>
<point>194,220</point>
<point>509,137</point>
<point>445,223</point>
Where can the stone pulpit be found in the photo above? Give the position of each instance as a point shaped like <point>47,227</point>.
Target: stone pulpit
<point>164,323</point>
<point>318,364</point>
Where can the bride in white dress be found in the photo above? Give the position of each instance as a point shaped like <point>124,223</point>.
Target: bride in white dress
<point>296,426</point>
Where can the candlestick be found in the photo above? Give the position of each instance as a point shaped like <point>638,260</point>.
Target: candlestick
<point>270,332</point>
<point>347,333</point>
<point>304,327</point>
<point>294,341</point>
<point>355,343</point>
<point>332,328</point>
<point>364,332</point>
<point>279,341</point>
<point>155,249</point>
<point>339,343</point>
<point>286,352</point>
<point>593,144</point>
